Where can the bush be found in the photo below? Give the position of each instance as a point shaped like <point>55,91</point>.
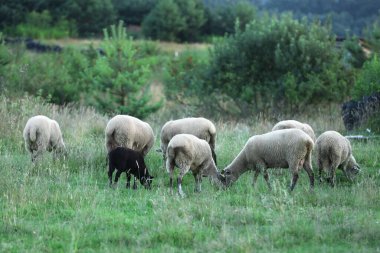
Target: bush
<point>368,80</point>
<point>41,26</point>
<point>56,77</point>
<point>279,64</point>
<point>175,20</point>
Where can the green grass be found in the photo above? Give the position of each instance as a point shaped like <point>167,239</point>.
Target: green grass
<point>67,206</point>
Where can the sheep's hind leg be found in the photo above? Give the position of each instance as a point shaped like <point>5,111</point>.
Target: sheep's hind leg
<point>295,169</point>
<point>179,180</point>
<point>310,173</point>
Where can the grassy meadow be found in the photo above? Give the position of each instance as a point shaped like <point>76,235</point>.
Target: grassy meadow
<point>67,206</point>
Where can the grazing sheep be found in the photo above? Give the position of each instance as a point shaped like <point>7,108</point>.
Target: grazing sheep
<point>131,162</point>
<point>42,133</point>
<point>286,124</point>
<point>129,132</point>
<point>200,127</point>
<point>333,151</point>
<point>288,148</point>
<point>188,152</point>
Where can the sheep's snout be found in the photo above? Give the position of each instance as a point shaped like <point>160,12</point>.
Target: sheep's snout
<point>227,177</point>
<point>148,182</point>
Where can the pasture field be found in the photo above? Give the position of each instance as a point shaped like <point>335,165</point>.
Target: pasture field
<point>67,206</point>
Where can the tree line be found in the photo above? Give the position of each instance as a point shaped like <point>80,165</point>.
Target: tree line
<point>174,20</point>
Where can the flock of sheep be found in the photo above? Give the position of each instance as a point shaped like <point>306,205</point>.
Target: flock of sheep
<point>189,144</point>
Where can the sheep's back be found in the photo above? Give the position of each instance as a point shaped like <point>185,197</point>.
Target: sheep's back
<point>199,127</point>
<point>129,132</point>
<point>279,147</point>
<point>332,144</point>
<point>41,124</point>
<point>288,124</point>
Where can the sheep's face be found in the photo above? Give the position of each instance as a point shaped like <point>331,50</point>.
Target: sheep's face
<point>228,177</point>
<point>352,168</point>
<point>147,181</point>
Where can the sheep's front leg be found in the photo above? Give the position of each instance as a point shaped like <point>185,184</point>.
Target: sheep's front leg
<point>111,169</point>
<point>266,177</point>
<point>255,176</point>
<point>128,181</point>
<point>134,183</point>
<point>118,173</point>
<point>198,181</point>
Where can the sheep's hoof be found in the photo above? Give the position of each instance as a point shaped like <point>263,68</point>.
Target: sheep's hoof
<point>182,195</point>
<point>134,187</point>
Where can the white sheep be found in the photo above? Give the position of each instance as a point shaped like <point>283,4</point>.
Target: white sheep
<point>188,152</point>
<point>199,127</point>
<point>40,134</point>
<point>334,151</point>
<point>286,124</point>
<point>288,148</point>
<point>129,132</point>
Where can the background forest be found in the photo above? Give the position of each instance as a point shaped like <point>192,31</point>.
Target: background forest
<point>255,57</point>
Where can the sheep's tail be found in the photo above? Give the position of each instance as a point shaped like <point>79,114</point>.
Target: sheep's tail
<point>212,132</point>
<point>110,139</point>
<point>309,147</point>
<point>33,133</point>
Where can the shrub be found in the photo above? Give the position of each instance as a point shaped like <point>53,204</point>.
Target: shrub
<point>175,20</point>
<point>41,26</point>
<point>368,80</point>
<point>279,63</point>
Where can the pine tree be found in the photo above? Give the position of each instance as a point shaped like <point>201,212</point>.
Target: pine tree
<point>119,78</point>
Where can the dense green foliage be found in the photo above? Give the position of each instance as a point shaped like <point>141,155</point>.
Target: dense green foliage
<point>221,20</point>
<point>67,206</point>
<point>115,81</point>
<point>368,80</point>
<point>200,18</point>
<point>133,12</point>
<point>277,65</point>
<point>175,20</point>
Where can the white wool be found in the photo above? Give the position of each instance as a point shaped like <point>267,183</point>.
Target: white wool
<point>287,148</point>
<point>129,132</point>
<point>199,127</point>
<point>41,134</point>
<point>286,124</point>
<point>333,151</point>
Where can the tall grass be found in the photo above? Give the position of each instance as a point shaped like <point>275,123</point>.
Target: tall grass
<point>67,206</point>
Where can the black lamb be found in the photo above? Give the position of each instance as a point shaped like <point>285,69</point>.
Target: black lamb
<point>131,162</point>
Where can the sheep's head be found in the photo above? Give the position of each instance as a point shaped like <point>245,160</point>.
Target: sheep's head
<point>228,177</point>
<point>352,168</point>
<point>146,180</point>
